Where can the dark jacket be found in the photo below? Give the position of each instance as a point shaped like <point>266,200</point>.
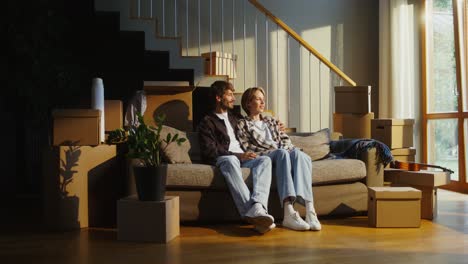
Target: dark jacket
<point>214,140</point>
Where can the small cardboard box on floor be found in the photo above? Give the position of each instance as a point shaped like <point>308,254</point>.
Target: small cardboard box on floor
<point>425,181</point>
<point>353,99</point>
<point>148,221</point>
<point>353,125</point>
<point>395,133</point>
<point>394,207</point>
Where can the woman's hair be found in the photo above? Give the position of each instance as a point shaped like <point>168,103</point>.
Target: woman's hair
<point>218,88</point>
<point>248,96</point>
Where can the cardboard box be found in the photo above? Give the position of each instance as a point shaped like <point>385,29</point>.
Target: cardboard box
<point>404,154</point>
<point>70,175</point>
<point>220,63</point>
<point>113,115</point>
<point>353,125</point>
<point>147,220</point>
<point>395,133</point>
<point>353,99</point>
<point>425,181</point>
<point>78,127</point>
<point>394,207</point>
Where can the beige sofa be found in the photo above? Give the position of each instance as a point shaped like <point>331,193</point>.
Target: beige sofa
<point>339,187</point>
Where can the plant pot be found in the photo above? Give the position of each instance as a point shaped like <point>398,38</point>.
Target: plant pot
<point>150,182</point>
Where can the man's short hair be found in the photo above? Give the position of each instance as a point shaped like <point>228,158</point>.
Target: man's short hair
<point>218,88</point>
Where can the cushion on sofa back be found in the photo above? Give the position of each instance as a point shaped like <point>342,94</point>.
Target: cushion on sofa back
<point>316,144</point>
<point>174,153</point>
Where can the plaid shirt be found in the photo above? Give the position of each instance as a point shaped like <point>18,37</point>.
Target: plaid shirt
<point>251,140</point>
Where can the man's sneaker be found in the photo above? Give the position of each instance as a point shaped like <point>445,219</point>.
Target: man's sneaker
<point>312,220</point>
<point>295,222</point>
<point>258,216</point>
<point>263,229</point>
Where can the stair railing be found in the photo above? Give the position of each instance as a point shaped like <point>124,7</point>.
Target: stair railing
<point>167,12</point>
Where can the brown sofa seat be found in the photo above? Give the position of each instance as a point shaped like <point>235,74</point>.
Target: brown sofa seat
<point>200,176</point>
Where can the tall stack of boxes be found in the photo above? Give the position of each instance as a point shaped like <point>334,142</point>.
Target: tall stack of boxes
<point>353,115</point>
<point>81,175</point>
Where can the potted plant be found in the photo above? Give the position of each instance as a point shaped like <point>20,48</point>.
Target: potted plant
<point>145,144</point>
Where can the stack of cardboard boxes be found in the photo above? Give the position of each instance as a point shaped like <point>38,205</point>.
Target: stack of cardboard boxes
<point>353,115</point>
<point>81,175</point>
<point>397,134</point>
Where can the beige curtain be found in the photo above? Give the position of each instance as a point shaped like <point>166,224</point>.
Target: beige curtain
<point>399,61</point>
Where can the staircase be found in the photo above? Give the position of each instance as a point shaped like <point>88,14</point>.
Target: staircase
<point>298,91</point>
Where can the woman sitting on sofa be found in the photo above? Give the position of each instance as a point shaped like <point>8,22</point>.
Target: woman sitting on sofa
<point>261,134</point>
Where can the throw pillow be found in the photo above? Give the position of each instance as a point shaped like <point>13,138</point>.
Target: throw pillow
<point>316,145</point>
<point>175,153</point>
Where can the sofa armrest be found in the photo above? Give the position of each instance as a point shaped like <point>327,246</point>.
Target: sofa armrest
<point>374,170</point>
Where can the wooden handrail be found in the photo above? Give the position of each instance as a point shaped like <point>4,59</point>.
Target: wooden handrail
<point>301,41</point>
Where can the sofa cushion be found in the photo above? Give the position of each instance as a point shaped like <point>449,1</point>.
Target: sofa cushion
<point>174,153</point>
<point>337,171</point>
<point>197,176</point>
<point>316,145</point>
<point>201,176</point>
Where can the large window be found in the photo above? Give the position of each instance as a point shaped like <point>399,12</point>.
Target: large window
<point>445,110</point>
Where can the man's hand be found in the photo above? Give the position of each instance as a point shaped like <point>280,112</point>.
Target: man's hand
<point>249,155</point>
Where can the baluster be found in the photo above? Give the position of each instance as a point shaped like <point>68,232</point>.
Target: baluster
<point>245,54</point>
<point>199,30</point>
<point>139,8</point>
<point>256,49</point>
<point>211,42</point>
<point>164,18</point>
<point>266,59</point>
<point>310,92</point>
<point>175,18</point>
<point>289,80</point>
<point>234,61</point>
<point>222,36</point>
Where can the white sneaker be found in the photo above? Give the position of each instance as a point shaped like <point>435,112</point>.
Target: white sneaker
<point>295,222</point>
<point>263,229</point>
<point>258,216</point>
<point>312,220</point>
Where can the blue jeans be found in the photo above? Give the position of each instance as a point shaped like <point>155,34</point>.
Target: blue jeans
<point>293,174</point>
<point>260,169</point>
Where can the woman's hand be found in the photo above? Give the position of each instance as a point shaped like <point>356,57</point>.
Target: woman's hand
<point>249,155</point>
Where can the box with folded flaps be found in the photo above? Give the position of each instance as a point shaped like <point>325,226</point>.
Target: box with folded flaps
<point>394,207</point>
<point>353,125</point>
<point>353,99</point>
<point>79,127</point>
<point>404,154</point>
<point>395,133</point>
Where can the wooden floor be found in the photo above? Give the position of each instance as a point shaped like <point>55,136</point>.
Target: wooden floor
<point>350,240</point>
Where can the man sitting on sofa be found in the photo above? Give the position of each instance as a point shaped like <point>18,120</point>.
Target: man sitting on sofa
<point>220,147</point>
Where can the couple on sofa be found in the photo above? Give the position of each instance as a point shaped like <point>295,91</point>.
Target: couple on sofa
<point>257,142</point>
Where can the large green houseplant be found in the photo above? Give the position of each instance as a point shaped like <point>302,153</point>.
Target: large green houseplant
<point>146,144</point>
